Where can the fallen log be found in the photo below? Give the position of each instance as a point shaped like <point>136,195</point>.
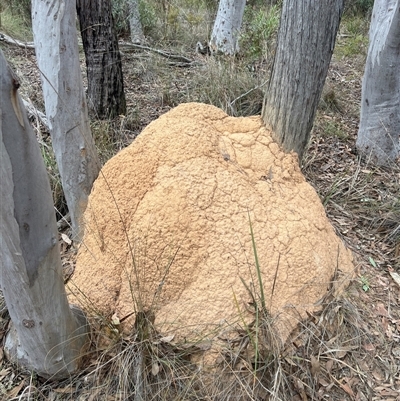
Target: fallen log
<point>8,39</point>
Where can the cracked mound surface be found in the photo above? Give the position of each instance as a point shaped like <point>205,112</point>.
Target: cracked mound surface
<point>167,228</point>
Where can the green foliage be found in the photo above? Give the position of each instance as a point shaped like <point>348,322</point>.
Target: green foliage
<point>353,38</point>
<point>18,8</point>
<point>329,101</point>
<point>259,28</point>
<point>258,267</point>
<point>169,22</point>
<point>356,26</point>
<point>15,20</point>
<point>171,25</point>
<point>365,283</point>
<point>360,7</point>
<point>120,14</point>
<point>261,333</point>
<point>335,129</point>
<point>353,46</point>
<point>211,5</point>
<point>372,261</point>
<point>148,18</point>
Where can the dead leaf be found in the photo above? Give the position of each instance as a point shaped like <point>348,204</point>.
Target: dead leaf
<point>385,324</point>
<point>341,353</point>
<point>363,366</point>
<point>395,277</point>
<point>155,368</point>
<point>329,365</point>
<point>347,389</point>
<point>66,239</point>
<point>115,320</point>
<point>380,310</point>
<point>204,345</point>
<point>167,339</point>
<point>300,389</point>
<point>315,366</point>
<point>369,347</point>
<point>353,381</point>
<point>14,391</point>
<point>387,392</point>
<point>377,375</point>
<point>388,330</point>
<point>290,361</point>
<point>323,382</point>
<point>64,390</point>
<point>4,373</point>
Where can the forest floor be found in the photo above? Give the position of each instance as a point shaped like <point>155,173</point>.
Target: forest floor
<point>349,351</point>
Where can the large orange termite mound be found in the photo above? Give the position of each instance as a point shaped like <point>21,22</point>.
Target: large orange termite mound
<point>168,228</point>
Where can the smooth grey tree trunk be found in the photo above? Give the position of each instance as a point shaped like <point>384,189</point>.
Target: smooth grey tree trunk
<point>106,95</point>
<point>47,336</point>
<point>56,44</point>
<point>135,25</point>
<point>226,30</point>
<point>306,40</point>
<point>379,132</point>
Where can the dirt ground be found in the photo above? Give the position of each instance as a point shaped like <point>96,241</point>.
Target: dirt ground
<point>350,351</point>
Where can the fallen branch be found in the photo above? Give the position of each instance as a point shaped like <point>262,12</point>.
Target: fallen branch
<point>12,41</point>
<point>179,61</point>
<point>246,93</point>
<point>34,112</point>
<point>170,56</point>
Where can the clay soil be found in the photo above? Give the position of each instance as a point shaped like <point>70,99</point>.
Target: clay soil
<point>349,351</point>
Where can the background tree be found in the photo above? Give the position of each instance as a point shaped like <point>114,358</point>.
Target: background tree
<point>56,45</point>
<point>47,335</point>
<point>135,25</point>
<point>306,40</point>
<point>103,61</point>
<point>379,131</point>
<point>225,33</point>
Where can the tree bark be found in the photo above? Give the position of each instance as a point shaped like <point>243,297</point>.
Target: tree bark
<point>57,53</point>
<point>106,95</point>
<point>47,336</point>
<point>305,45</point>
<point>379,131</point>
<point>225,34</point>
<point>137,36</point>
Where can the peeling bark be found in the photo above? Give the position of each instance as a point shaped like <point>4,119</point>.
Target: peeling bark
<point>56,44</point>
<point>47,336</point>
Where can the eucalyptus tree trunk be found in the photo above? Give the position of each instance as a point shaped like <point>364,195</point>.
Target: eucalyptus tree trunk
<point>135,25</point>
<point>47,336</point>
<point>306,40</point>
<point>56,44</point>
<point>226,30</point>
<point>106,95</point>
<point>379,131</point>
